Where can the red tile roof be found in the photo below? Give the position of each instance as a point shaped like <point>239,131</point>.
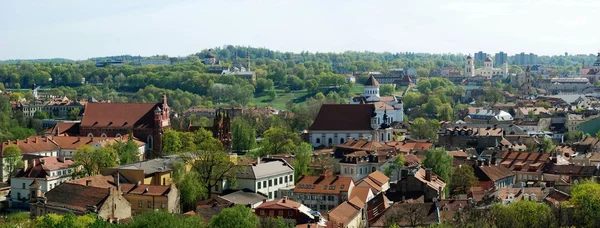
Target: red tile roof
<point>344,117</point>
<point>145,189</point>
<point>409,146</point>
<point>343,213</point>
<point>361,192</point>
<point>50,164</point>
<point>76,197</point>
<point>495,172</point>
<point>75,142</point>
<point>127,115</point>
<point>99,181</point>
<point>323,184</point>
<point>283,203</point>
<point>33,144</point>
<point>64,128</point>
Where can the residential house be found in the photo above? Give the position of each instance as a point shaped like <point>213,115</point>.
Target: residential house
<point>266,177</point>
<point>530,113</point>
<point>511,195</point>
<point>356,145</point>
<point>488,116</point>
<point>152,172</point>
<point>526,166</point>
<point>68,144</point>
<point>56,106</point>
<point>408,214</point>
<point>480,137</point>
<point>287,209</point>
<point>449,207</point>
<point>359,164</point>
<point>573,121</point>
<point>556,198</point>
<point>211,207</point>
<point>47,172</point>
<point>33,146</point>
<point>418,182</point>
<point>376,181</point>
<point>64,128</point>
<point>493,176</point>
<point>322,193</point>
<point>108,204</point>
<point>376,206</point>
<point>142,197</point>
<point>349,214</point>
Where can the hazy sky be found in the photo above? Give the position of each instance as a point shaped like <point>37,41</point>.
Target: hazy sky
<point>78,29</point>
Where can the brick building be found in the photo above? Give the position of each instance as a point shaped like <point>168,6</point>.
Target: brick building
<point>287,209</point>
<point>147,121</point>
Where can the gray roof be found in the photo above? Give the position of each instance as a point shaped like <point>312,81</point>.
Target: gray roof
<point>569,98</point>
<point>510,129</point>
<point>151,166</point>
<point>243,198</point>
<point>265,169</point>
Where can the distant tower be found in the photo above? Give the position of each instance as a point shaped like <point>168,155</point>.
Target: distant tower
<point>505,69</point>
<point>210,58</point>
<point>470,67</point>
<point>248,57</point>
<point>525,88</point>
<point>488,63</point>
<point>34,90</point>
<point>597,63</point>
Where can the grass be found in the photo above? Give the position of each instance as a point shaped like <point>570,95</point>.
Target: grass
<point>282,98</point>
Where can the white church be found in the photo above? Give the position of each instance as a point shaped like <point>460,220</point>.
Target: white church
<point>487,70</point>
<point>369,117</point>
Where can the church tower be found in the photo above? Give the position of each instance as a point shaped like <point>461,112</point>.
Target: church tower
<point>470,67</point>
<point>596,66</point>
<point>488,63</point>
<point>505,69</point>
<point>526,87</point>
<point>372,89</point>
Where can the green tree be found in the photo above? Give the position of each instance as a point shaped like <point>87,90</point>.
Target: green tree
<point>445,112</point>
<point>387,90</point>
<point>237,216</point>
<point>523,213</point>
<point>127,151</point>
<point>424,129</point>
<point>585,197</point>
<point>243,135</point>
<point>212,164</point>
<point>311,85</point>
<point>188,183</point>
<point>440,163</point>
<point>548,146</point>
<point>279,222</point>
<point>277,140</point>
<point>171,142</point>
<point>463,177</point>
<point>12,157</point>
<point>543,104</point>
<point>263,84</point>
<point>93,160</point>
<point>41,115</point>
<point>302,159</point>
<point>397,164</point>
<point>162,218</point>
<point>74,113</point>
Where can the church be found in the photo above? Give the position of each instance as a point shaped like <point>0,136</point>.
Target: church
<point>592,73</point>
<point>391,105</point>
<point>487,70</point>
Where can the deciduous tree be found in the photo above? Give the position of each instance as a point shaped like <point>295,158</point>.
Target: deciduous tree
<point>463,177</point>
<point>237,216</point>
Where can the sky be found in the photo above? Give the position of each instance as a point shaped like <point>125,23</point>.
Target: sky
<point>77,29</point>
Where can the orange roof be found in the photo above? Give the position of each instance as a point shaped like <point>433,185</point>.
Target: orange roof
<point>146,189</point>
<point>63,128</point>
<point>357,202</point>
<point>343,213</point>
<point>283,203</point>
<point>435,183</point>
<point>360,192</point>
<point>100,181</point>
<point>323,184</point>
<point>127,115</point>
<point>378,177</point>
<point>374,186</point>
<point>408,146</point>
<point>458,154</point>
<point>33,144</point>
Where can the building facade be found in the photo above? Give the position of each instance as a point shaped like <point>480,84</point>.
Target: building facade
<point>266,178</point>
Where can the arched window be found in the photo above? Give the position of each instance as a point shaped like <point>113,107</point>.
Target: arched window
<point>389,137</point>
<point>373,169</point>
<point>118,135</point>
<point>318,141</point>
<point>382,138</point>
<point>342,141</point>
<point>150,141</point>
<point>330,141</point>
<point>90,135</point>
<point>103,135</point>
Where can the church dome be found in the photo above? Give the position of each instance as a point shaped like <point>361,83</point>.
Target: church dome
<point>372,81</point>
<point>488,59</point>
<point>469,57</point>
<point>209,56</point>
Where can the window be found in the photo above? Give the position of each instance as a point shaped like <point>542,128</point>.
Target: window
<point>330,198</point>
<point>323,198</point>
<point>346,170</point>
<point>318,141</point>
<point>271,212</point>
<point>275,194</point>
<point>280,180</point>
<point>164,181</point>
<point>373,169</point>
<point>216,188</point>
<point>264,184</point>
<point>149,141</point>
<point>280,213</point>
<point>149,203</point>
<point>18,195</point>
<point>290,213</point>
<point>23,185</point>
<point>360,170</point>
<point>351,171</point>
<point>140,203</point>
<point>291,178</point>
<point>330,141</point>
<point>262,212</point>
<point>275,181</point>
<point>258,185</point>
<point>286,179</point>
<point>270,195</point>
<point>270,183</point>
<point>322,207</point>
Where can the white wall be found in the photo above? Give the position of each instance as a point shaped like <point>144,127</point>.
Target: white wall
<point>341,137</point>
<point>253,184</point>
<point>46,184</point>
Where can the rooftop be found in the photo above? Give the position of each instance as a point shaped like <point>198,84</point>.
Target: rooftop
<point>150,166</point>
<point>323,184</point>
<point>330,117</point>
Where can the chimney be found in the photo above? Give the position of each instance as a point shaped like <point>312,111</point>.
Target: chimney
<point>42,161</point>
<point>117,180</point>
<point>428,174</point>
<point>486,162</point>
<point>138,183</point>
<point>88,182</point>
<point>27,140</point>
<point>284,199</point>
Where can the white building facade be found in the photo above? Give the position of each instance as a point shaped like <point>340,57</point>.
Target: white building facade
<point>266,178</point>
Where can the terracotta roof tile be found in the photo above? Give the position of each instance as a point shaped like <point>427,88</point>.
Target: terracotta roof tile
<point>76,197</point>
<point>495,172</point>
<point>343,213</point>
<point>99,181</point>
<point>323,185</point>
<point>64,128</point>
<point>361,192</point>
<point>357,202</point>
<point>378,177</point>
<point>145,189</point>
<point>283,203</point>
<point>33,144</point>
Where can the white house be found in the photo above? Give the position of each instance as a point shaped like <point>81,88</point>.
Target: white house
<point>48,172</point>
<point>34,145</point>
<point>266,177</point>
<point>68,144</point>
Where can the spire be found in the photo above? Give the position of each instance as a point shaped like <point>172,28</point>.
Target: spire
<point>372,81</point>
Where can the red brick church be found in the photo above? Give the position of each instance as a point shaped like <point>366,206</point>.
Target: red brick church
<point>147,121</point>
